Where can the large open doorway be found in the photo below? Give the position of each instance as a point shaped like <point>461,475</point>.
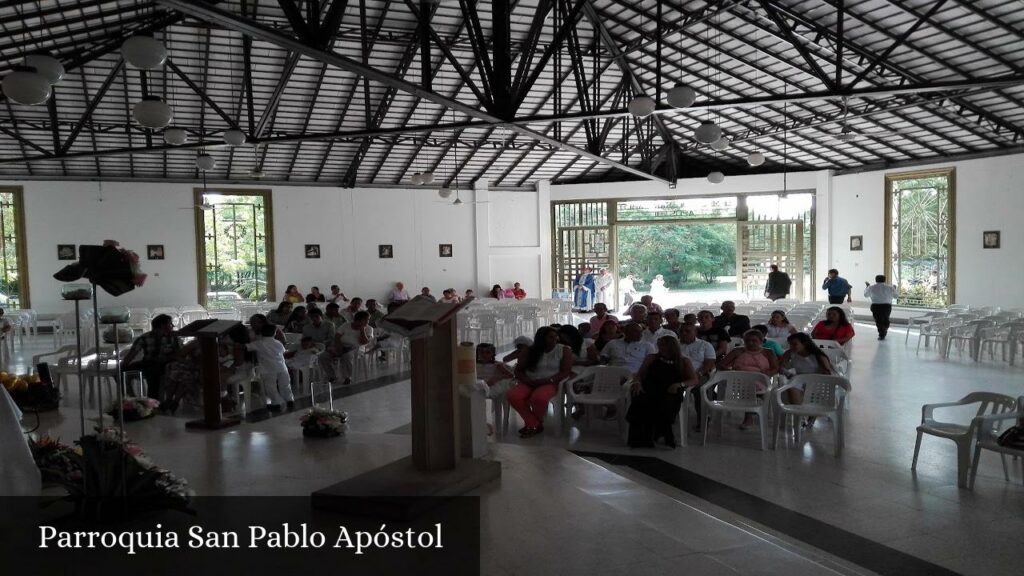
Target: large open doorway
<point>681,250</point>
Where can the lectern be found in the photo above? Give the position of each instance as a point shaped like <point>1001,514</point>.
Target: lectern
<point>435,469</point>
<point>208,332</point>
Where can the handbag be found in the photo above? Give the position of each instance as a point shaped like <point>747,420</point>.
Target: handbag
<point>1013,437</point>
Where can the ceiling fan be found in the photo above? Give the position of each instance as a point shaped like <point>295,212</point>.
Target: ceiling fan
<point>205,206</point>
<point>446,194</point>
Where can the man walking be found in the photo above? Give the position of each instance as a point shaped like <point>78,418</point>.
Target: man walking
<point>838,288</point>
<point>881,296</point>
<point>778,284</point>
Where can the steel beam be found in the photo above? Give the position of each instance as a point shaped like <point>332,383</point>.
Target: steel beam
<point>256,30</point>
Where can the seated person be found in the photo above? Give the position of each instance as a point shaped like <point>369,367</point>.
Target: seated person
<point>734,324</point>
<point>772,345</point>
<point>304,355</point>
<point>779,326</point>
<point>517,291</point>
<point>347,341</point>
<point>496,292</point>
<point>803,357</point>
<point>752,357</point>
<point>469,295</point>
<point>376,314</point>
<point>584,329</point>
<point>333,315</point>
<point>152,351</point>
<point>425,295</point>
<point>690,318</point>
<point>520,345</point>
<point>654,330</point>
<point>835,326</point>
<point>706,330</point>
<point>571,337</point>
<point>628,351</point>
<point>398,295</point>
<point>336,295</point>
<point>318,329</point>
<point>292,294</point>
<point>297,321</point>
<point>257,322</point>
<point>497,376</point>
<point>702,357</point>
<point>539,371</point>
<point>600,316</point>
<point>449,296</point>
<point>349,312</point>
<point>315,296</point>
<point>672,323</point>
<point>609,331</point>
<point>648,301</point>
<point>637,315</point>
<point>656,395</point>
<point>280,316</point>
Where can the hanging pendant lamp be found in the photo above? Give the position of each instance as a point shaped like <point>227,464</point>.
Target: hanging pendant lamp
<point>25,85</point>
<point>707,132</point>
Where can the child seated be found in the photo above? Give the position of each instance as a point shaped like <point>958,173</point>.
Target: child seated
<point>496,376</point>
<point>303,355</point>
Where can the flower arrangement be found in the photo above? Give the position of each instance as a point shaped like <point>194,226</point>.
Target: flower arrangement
<point>139,278</point>
<point>135,408</point>
<point>108,476</point>
<point>56,461</point>
<point>320,423</point>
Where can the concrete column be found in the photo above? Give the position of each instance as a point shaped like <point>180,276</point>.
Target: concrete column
<point>482,226</point>
<point>544,231</point>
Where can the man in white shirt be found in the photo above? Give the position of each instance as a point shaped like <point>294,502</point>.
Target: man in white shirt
<point>881,296</point>
<point>654,330</point>
<point>628,351</point>
<point>701,354</point>
<point>398,295</point>
<point>648,301</point>
<point>336,295</point>
<point>349,312</point>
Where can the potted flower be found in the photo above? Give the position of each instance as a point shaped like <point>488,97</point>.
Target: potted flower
<point>320,423</point>
<point>135,408</point>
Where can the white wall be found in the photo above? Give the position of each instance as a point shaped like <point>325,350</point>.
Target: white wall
<point>989,196</point>
<point>348,224</point>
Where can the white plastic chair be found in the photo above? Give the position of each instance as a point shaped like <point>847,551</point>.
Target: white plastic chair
<point>839,360</point>
<point>987,429</point>
<point>964,436</point>
<point>606,389</point>
<point>938,329</point>
<point>737,393</point>
<point>969,333</point>
<point>824,396</point>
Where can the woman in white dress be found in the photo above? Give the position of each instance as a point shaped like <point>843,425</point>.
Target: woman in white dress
<point>658,286</point>
<point>604,283</point>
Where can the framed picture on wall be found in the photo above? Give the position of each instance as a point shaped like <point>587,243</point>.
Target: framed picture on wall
<point>66,252</point>
<point>385,251</point>
<point>856,243</point>
<point>990,239</point>
<point>312,250</point>
<point>155,252</point>
<point>444,250</point>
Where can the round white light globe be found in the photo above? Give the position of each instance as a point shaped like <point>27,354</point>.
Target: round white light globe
<point>721,144</point>
<point>206,162</point>
<point>152,113</point>
<point>755,159</point>
<point>428,177</point>
<point>234,137</point>
<point>445,192</point>
<point>681,96</point>
<point>417,179</point>
<point>707,132</point>
<point>175,136</point>
<point>144,52</point>
<point>716,177</point>
<point>46,65</point>
<point>26,86</point>
<point>642,106</point>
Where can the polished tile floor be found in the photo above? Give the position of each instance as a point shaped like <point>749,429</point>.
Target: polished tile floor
<point>555,512</point>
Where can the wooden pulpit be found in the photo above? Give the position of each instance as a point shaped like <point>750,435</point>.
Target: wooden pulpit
<point>208,332</point>
<point>436,468</point>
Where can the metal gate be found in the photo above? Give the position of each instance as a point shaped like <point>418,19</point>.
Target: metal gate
<point>583,238</point>
<point>763,243</point>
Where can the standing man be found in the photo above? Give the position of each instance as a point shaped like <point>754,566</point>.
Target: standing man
<point>838,288</point>
<point>603,283</point>
<point>778,284</point>
<point>881,296</point>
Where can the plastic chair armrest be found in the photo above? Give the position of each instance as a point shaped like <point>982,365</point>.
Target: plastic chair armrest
<point>928,409</point>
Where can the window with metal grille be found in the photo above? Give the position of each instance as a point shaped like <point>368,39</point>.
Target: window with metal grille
<point>13,263</point>
<point>919,243</point>
<point>235,246</point>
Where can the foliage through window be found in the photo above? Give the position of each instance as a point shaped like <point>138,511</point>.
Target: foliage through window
<point>13,291</point>
<point>919,209</point>
<point>237,247</point>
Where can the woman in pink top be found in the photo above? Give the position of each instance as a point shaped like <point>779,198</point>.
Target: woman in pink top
<point>752,357</point>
